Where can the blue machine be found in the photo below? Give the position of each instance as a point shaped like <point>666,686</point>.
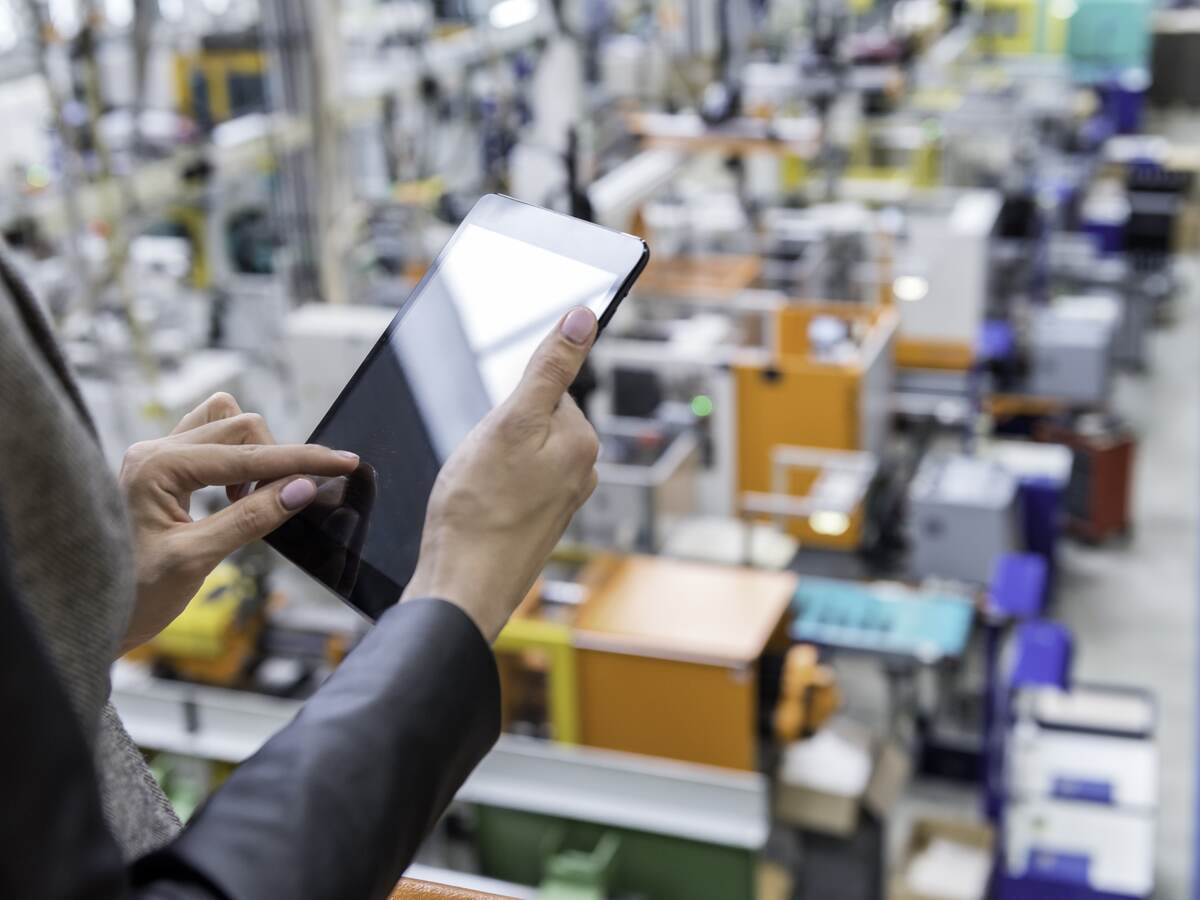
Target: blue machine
<point>1019,587</point>
<point>883,618</point>
<point>1043,472</point>
<point>1016,596</point>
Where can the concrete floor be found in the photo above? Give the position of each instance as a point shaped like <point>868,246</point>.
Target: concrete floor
<point>1132,605</point>
<point>1133,608</point>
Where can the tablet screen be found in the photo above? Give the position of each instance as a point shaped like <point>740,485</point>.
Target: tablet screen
<point>456,349</point>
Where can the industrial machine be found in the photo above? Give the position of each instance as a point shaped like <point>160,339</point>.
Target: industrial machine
<point>963,517</point>
<point>1072,348</point>
<point>825,386</point>
<point>215,639</point>
<point>647,485</point>
<point>904,258</point>
<point>616,671</point>
<point>942,279</point>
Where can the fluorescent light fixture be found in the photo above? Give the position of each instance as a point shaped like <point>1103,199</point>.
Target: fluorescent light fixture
<point>171,10</point>
<point>64,16</point>
<point>217,7</point>
<point>1063,9</point>
<point>9,35</point>
<point>118,13</point>
<point>910,288</point>
<point>829,523</point>
<point>510,13</point>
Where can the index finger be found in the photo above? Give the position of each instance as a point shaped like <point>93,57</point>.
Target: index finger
<point>192,466</point>
<point>219,406</point>
<point>557,361</point>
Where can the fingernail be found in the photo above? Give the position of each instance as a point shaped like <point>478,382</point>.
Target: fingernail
<point>577,326</point>
<point>297,494</point>
<point>346,454</point>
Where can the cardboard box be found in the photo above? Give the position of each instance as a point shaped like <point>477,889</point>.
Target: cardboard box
<point>824,782</point>
<point>924,833</point>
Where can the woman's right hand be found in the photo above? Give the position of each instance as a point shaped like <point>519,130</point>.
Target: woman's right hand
<point>505,496</point>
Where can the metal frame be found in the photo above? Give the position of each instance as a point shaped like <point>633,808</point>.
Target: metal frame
<point>781,505</point>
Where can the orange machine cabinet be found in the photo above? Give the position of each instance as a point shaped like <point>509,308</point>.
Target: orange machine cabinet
<point>667,654</point>
<point>718,277</point>
<point>802,401</point>
<point>916,353</point>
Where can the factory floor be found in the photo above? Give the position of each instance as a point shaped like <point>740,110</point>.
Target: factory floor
<point>1133,608</point>
<point>1132,605</point>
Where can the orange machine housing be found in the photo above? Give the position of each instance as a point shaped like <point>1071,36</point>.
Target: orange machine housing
<point>667,657</point>
<point>799,400</point>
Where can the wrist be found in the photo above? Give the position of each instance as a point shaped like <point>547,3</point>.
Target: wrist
<point>459,589</point>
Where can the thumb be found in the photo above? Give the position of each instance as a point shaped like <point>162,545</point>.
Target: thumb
<point>557,361</point>
<point>252,517</point>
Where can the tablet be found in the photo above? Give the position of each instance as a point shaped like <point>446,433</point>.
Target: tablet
<point>457,347</point>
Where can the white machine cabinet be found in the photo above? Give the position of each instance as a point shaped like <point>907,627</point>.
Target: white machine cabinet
<point>947,247</point>
<point>325,344</point>
<point>1106,851</point>
<point>1072,344</point>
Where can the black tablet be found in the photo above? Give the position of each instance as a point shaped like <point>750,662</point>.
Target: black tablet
<point>456,348</point>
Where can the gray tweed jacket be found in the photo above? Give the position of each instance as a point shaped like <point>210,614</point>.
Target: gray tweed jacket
<point>332,808</point>
<point>70,550</point>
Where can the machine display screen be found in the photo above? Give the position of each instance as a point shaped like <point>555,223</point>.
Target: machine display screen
<point>457,348</point>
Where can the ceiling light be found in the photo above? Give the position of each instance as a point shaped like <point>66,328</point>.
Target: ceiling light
<point>1063,9</point>
<point>829,523</point>
<point>510,13</point>
<point>119,13</point>
<point>910,288</point>
<point>171,10</point>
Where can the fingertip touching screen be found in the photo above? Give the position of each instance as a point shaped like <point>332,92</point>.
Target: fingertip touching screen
<point>456,349</point>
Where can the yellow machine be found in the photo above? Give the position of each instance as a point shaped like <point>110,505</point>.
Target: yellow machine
<point>221,80</point>
<point>910,154</point>
<point>804,401</point>
<point>810,694</point>
<point>214,639</point>
<point>1023,27</point>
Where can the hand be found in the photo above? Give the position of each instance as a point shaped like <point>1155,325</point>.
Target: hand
<point>506,495</point>
<point>215,444</point>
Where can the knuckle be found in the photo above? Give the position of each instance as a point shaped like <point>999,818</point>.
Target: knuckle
<point>252,455</point>
<point>177,557</point>
<point>222,405</point>
<point>251,518</point>
<point>139,452</point>
<point>252,426</point>
<point>591,446</point>
<point>136,459</point>
<point>515,424</point>
<point>557,369</point>
<point>583,444</point>
<point>588,487</point>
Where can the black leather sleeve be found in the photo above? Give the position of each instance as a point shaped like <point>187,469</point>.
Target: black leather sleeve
<point>335,805</point>
<point>332,808</point>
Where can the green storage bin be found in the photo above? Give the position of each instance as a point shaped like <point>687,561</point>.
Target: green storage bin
<point>513,847</point>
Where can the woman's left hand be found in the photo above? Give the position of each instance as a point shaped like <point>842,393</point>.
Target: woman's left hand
<point>215,444</point>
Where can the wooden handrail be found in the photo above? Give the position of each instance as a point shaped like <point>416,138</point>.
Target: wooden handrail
<point>411,889</point>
